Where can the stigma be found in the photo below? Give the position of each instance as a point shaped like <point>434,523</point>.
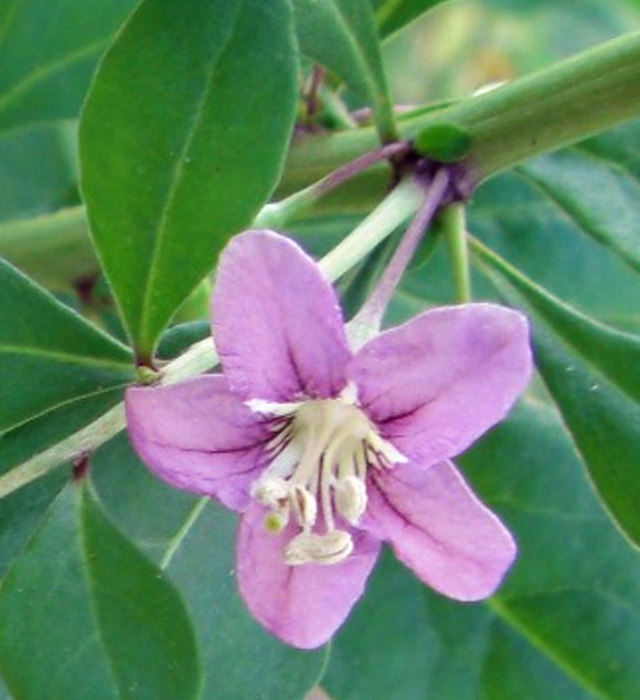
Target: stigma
<point>319,452</point>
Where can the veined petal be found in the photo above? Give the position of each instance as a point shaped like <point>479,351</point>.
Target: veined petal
<point>301,605</point>
<point>437,383</point>
<point>199,437</point>
<point>277,323</point>
<point>440,530</point>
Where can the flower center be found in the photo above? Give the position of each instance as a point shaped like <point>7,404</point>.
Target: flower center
<point>320,452</point>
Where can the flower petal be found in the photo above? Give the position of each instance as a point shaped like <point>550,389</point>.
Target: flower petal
<point>301,605</point>
<point>277,323</point>
<point>439,529</point>
<point>439,382</point>
<point>198,436</point>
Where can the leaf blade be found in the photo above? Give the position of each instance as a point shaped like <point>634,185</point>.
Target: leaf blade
<point>593,375</point>
<point>393,15</point>
<point>142,621</point>
<point>48,52</point>
<point>38,333</point>
<point>192,539</point>
<point>73,574</point>
<point>174,174</point>
<point>341,35</point>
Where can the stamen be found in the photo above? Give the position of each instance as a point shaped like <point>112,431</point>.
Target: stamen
<point>351,498</point>
<point>271,492</point>
<point>325,493</point>
<point>320,452</point>
<point>305,507</point>
<point>331,548</point>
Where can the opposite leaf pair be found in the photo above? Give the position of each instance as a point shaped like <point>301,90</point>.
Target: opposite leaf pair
<point>327,452</point>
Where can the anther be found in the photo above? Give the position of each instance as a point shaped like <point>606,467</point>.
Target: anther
<point>350,496</point>
<point>306,548</point>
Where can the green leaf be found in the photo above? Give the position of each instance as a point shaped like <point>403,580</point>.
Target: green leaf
<point>22,510</point>
<point>142,620</point>
<point>562,627</point>
<point>383,652</point>
<point>115,627</point>
<point>182,141</point>
<point>593,374</point>
<point>179,338</point>
<point>48,354</point>
<point>600,195</point>
<point>392,15</point>
<point>21,513</point>
<point>38,174</point>
<point>143,507</point>
<point>525,226</point>
<point>48,52</point>
<point>342,36</point>
<point>194,541</point>
<point>614,353</point>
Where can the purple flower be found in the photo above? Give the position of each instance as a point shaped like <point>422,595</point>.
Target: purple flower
<point>326,453</point>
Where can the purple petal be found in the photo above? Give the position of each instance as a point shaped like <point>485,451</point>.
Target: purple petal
<point>301,605</point>
<point>439,529</point>
<point>436,384</point>
<point>198,436</point>
<point>277,323</point>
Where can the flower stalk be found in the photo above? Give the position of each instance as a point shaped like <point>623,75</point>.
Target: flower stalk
<point>453,222</point>
<point>368,321</point>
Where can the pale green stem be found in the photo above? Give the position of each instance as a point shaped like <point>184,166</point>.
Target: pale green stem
<point>202,356</point>
<point>453,222</point>
<point>83,441</point>
<point>53,249</point>
<point>199,358</point>
<point>392,212</point>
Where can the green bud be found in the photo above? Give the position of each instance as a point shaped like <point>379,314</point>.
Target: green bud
<point>445,142</point>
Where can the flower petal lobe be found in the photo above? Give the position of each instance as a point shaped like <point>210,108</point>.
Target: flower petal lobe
<point>439,529</point>
<point>437,383</point>
<point>301,605</point>
<point>277,323</point>
<point>199,437</point>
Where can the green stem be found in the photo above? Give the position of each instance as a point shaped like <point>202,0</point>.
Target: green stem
<point>550,109</point>
<point>567,102</point>
<point>454,226</point>
<point>83,441</point>
<point>54,249</point>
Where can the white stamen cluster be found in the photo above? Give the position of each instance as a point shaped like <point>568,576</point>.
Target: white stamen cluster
<point>321,450</point>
